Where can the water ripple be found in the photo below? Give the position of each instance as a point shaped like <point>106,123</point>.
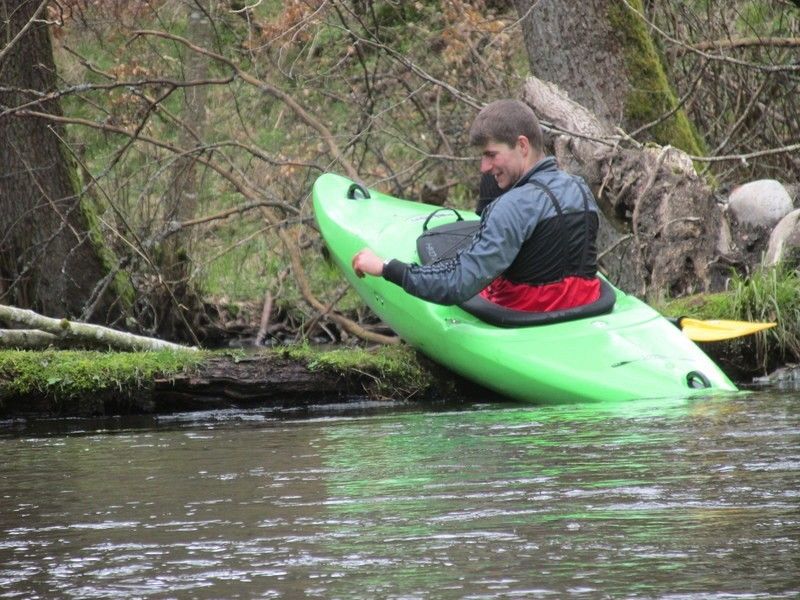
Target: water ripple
<point>690,500</point>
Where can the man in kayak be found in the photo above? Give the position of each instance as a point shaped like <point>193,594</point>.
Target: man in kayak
<point>535,249</point>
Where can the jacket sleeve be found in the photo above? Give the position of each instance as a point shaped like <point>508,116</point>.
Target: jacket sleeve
<point>495,245</point>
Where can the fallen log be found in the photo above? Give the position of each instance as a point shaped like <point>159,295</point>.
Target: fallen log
<point>55,383</point>
<point>47,331</point>
<point>28,339</point>
<point>259,380</point>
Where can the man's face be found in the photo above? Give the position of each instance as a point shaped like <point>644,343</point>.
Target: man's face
<point>506,163</point>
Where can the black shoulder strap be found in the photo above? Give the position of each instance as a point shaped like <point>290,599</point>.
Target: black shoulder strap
<point>562,227</point>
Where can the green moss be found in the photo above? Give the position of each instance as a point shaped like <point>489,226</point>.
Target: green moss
<point>653,96</point>
<point>70,374</point>
<point>395,370</point>
<point>122,287</point>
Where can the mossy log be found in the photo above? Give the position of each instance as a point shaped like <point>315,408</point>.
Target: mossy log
<point>90,383</point>
<point>259,380</point>
<point>219,382</point>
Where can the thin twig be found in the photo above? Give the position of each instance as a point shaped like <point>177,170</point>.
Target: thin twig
<point>22,31</point>
<point>706,55</point>
<point>729,44</point>
<point>268,88</point>
<point>743,158</point>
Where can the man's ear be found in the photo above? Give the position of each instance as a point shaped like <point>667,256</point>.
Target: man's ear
<point>524,144</point>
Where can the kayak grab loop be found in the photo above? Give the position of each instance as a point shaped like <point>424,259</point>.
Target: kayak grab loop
<point>437,211</point>
<point>357,187</point>
<point>697,381</point>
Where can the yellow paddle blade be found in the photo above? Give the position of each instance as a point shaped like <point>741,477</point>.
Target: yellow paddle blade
<point>714,330</point>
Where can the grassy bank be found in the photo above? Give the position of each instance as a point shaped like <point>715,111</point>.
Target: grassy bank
<point>66,383</point>
<point>768,294</point>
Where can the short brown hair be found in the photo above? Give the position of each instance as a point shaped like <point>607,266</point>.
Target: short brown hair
<point>503,121</point>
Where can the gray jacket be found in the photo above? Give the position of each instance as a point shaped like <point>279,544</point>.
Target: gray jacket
<point>564,243</point>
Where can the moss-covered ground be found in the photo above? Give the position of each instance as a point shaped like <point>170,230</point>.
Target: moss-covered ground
<point>59,382</point>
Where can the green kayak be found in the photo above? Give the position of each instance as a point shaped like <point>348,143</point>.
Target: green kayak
<point>620,349</point>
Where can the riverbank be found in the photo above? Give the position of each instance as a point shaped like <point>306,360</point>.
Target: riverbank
<point>62,383</point>
<point>70,383</point>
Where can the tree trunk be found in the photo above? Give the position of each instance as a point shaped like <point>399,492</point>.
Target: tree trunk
<point>51,253</point>
<point>601,53</point>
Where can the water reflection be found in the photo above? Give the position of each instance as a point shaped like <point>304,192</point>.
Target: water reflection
<point>690,498</point>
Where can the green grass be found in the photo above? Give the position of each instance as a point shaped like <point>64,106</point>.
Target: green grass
<point>768,294</point>
<point>771,294</point>
<point>395,370</point>
<point>72,373</point>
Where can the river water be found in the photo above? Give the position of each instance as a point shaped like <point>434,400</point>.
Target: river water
<point>680,499</point>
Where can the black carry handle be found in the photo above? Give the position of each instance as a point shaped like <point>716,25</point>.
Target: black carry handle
<point>697,381</point>
<point>357,187</point>
<point>438,210</point>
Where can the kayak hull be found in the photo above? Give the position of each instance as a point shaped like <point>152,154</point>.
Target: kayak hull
<point>630,353</point>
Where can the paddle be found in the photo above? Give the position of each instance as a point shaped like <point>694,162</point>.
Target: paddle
<point>714,330</point>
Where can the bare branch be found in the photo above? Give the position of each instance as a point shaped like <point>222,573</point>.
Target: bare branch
<point>22,31</point>
<point>305,289</point>
<point>715,57</point>
<point>270,89</point>
<point>730,44</point>
<point>64,328</point>
<point>41,97</point>
<point>175,227</point>
<point>749,155</point>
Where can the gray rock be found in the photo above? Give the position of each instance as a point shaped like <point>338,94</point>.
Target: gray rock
<point>784,242</point>
<point>760,203</point>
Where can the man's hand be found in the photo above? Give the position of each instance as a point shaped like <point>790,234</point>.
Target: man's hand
<point>366,262</point>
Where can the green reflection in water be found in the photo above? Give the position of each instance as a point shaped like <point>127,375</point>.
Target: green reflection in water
<point>499,490</point>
